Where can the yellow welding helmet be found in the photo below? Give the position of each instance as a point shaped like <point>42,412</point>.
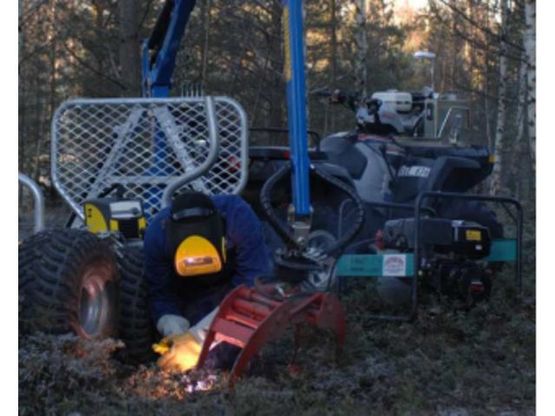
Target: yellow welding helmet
<point>197,235</point>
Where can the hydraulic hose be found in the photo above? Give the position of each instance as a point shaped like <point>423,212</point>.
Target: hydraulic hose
<point>358,219</point>
<point>283,230</point>
<point>266,202</point>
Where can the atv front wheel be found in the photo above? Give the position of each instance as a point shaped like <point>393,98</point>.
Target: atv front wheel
<point>70,279</point>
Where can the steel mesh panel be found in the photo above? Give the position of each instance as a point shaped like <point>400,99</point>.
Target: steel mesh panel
<point>146,144</point>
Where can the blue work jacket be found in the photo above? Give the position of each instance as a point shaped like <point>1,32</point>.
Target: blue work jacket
<point>246,250</point>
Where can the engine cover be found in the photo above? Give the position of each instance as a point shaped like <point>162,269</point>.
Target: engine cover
<point>440,235</point>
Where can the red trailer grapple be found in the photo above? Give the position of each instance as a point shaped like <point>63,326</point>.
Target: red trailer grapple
<point>249,318</point>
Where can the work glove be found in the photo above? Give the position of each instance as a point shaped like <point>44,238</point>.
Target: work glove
<point>169,325</point>
<point>179,352</point>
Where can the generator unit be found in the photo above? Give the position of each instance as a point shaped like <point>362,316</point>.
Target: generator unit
<point>451,253</point>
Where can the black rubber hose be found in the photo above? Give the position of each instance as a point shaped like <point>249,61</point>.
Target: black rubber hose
<point>266,203</point>
<point>285,233</point>
<point>358,219</point>
<point>297,264</point>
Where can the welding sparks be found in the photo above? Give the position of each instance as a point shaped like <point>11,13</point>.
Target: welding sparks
<point>206,383</point>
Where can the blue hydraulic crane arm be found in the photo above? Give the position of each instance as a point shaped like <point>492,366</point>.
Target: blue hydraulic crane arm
<point>296,105</point>
<point>159,52</point>
<point>160,49</point>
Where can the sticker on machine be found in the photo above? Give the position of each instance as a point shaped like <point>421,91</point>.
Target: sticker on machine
<point>394,265</point>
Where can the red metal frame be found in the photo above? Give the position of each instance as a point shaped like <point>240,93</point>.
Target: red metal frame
<point>249,319</point>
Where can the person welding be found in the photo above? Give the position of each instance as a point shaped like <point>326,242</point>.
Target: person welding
<point>196,251</point>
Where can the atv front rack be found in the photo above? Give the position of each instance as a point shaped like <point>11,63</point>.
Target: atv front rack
<point>249,319</point>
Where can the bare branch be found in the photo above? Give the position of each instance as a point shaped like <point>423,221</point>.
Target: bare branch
<point>485,30</point>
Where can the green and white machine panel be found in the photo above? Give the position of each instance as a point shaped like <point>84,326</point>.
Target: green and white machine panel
<point>402,264</point>
<point>358,265</point>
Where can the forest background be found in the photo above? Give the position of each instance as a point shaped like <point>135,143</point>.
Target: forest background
<point>485,50</point>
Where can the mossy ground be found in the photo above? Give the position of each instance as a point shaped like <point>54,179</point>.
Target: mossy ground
<point>447,362</point>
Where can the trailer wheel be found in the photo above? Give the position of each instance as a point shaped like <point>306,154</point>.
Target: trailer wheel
<point>136,327</point>
<point>70,281</point>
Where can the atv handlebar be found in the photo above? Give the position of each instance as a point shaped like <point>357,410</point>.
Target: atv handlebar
<point>337,96</point>
<point>316,138</point>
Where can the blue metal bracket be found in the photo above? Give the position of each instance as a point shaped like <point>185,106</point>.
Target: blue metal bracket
<point>158,61</point>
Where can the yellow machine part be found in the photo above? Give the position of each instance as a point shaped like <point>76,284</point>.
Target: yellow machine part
<point>142,224</point>
<point>94,219</point>
<point>99,220</point>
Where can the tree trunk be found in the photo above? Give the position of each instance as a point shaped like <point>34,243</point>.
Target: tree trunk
<point>276,117</point>
<point>497,174</point>
<point>22,93</point>
<point>205,12</point>
<point>129,51</point>
<point>530,48</point>
<point>520,119</point>
<point>333,58</point>
<point>487,89</point>
<point>361,42</point>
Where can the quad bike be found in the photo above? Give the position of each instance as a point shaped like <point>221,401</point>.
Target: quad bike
<point>415,191</point>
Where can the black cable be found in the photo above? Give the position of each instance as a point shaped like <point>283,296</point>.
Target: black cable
<point>297,264</point>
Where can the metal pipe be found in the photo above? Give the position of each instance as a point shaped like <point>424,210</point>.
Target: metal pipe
<point>38,198</point>
<point>446,118</point>
<point>296,105</point>
<point>213,142</point>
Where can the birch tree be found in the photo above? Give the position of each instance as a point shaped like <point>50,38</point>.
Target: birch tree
<point>530,50</point>
<point>496,176</point>
<point>333,55</point>
<point>520,119</point>
<point>361,42</point>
